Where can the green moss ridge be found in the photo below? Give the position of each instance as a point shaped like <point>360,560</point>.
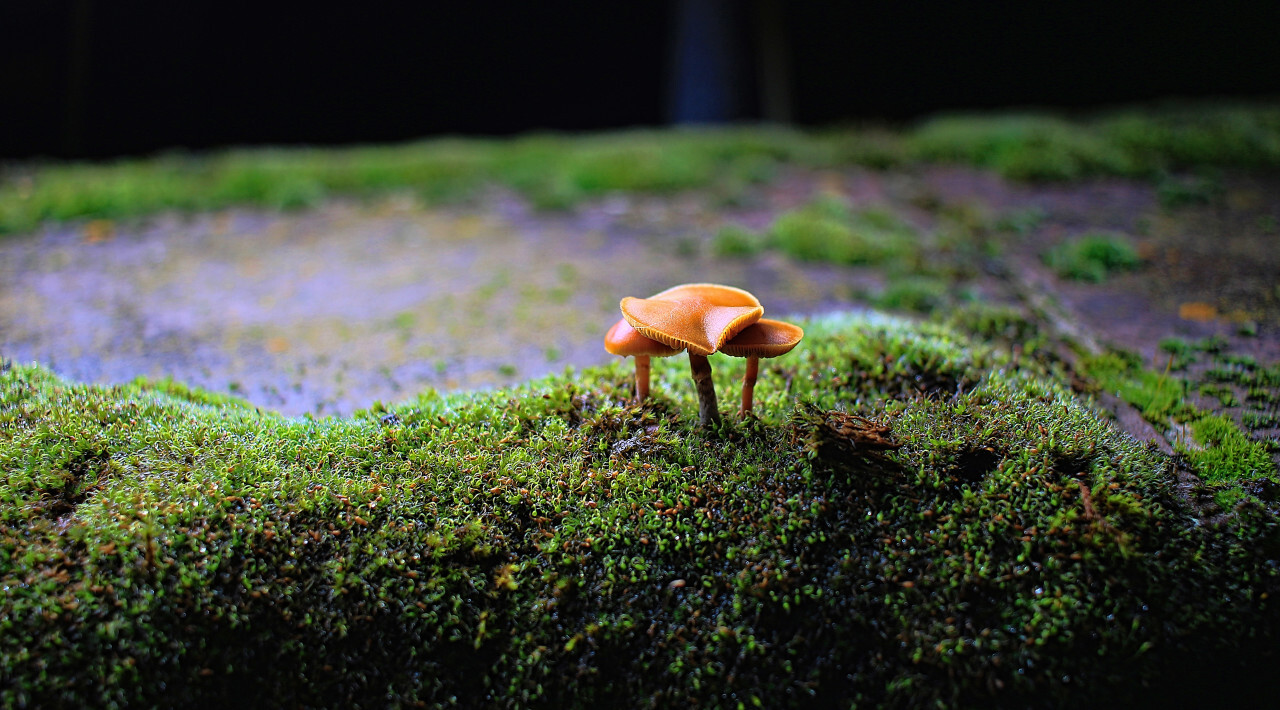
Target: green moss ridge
<point>558,171</point>
<point>549,547</point>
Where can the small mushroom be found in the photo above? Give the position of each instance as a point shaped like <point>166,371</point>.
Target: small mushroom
<point>764,338</point>
<point>626,341</point>
<point>699,318</point>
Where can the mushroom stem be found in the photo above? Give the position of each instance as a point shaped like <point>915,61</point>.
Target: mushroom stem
<point>708,411</point>
<point>749,384</point>
<point>642,377</point>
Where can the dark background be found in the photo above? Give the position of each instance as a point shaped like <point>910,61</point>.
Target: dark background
<point>91,78</point>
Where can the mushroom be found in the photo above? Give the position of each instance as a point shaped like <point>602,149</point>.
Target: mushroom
<point>699,318</point>
<point>624,340</point>
<point>764,338</point>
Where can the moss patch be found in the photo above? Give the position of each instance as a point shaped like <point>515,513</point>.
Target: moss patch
<point>1158,396</point>
<point>829,230</point>
<point>1093,257</point>
<point>921,294</point>
<point>1223,454</point>
<point>550,546</point>
<point>735,240</point>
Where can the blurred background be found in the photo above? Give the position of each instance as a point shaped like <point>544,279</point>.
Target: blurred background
<point>95,79</point>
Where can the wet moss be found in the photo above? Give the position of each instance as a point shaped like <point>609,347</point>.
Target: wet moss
<point>911,519</point>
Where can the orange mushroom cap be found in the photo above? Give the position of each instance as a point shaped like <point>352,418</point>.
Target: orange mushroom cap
<point>764,338</point>
<point>697,317</point>
<point>626,341</point>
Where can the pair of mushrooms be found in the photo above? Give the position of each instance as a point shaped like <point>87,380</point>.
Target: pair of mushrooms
<point>701,319</point>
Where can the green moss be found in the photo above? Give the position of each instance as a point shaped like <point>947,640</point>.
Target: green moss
<point>180,390</point>
<point>1213,345</point>
<point>1007,325</point>
<point>1227,498</point>
<point>1025,147</point>
<point>1181,353</point>
<point>1260,382</point>
<point>1187,136</point>
<point>1218,451</point>
<point>1260,420</point>
<point>1158,396</point>
<point>1132,142</point>
<point>734,240</point>
<point>1020,222</point>
<point>1224,454</point>
<point>1248,362</point>
<point>920,294</point>
<point>813,237</point>
<point>1225,395</point>
<point>1093,257</point>
<point>1182,190</point>
<point>552,171</point>
<point>551,545</point>
<point>829,230</point>
<point>557,172</point>
<point>1260,393</point>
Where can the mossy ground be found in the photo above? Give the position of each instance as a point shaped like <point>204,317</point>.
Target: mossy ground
<point>553,546</point>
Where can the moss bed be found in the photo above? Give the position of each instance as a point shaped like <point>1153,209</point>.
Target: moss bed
<point>551,546</point>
